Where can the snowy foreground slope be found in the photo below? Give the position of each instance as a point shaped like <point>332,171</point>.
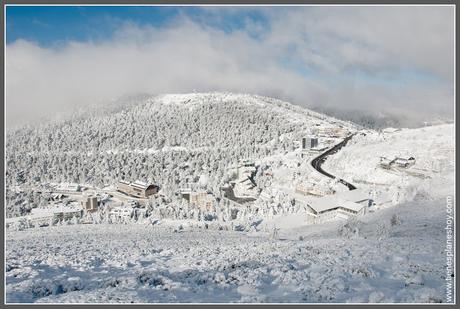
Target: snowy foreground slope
<point>372,261</point>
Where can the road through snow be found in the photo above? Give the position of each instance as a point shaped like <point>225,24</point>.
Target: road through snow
<point>319,160</point>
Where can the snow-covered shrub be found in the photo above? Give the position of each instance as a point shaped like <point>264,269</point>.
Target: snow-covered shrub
<point>150,279</point>
<point>48,287</point>
<point>363,271</point>
<point>350,228</point>
<point>382,230</point>
<point>395,220</point>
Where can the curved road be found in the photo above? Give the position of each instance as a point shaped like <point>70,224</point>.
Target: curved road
<point>319,160</point>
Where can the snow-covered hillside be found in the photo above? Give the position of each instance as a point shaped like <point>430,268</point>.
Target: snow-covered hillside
<point>395,255</point>
<point>170,140</point>
<point>432,175</point>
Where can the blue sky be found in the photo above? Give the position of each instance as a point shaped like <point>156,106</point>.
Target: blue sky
<point>48,25</point>
<point>397,59</point>
<point>54,25</point>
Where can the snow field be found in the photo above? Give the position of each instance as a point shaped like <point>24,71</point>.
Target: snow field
<point>143,263</point>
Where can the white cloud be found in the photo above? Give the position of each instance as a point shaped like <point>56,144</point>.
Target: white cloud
<point>188,56</point>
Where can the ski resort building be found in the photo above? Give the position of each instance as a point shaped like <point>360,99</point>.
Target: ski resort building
<point>138,188</point>
<point>68,188</point>
<point>398,162</point>
<point>44,216</point>
<point>359,196</point>
<point>201,199</point>
<point>403,162</point>
<point>67,213</point>
<point>90,203</point>
<point>333,209</point>
<point>309,142</point>
<point>340,206</point>
<point>121,212</point>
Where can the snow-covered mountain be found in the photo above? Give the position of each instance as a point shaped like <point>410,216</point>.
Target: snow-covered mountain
<point>170,140</point>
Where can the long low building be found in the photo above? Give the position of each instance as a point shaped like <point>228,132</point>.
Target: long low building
<point>329,208</point>
<point>340,206</point>
<point>68,187</point>
<point>44,216</point>
<point>121,212</point>
<point>137,188</point>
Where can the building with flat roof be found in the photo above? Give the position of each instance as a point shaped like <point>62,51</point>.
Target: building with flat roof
<point>90,203</point>
<point>340,206</point>
<point>309,142</point>
<point>68,187</point>
<point>201,199</point>
<point>121,212</point>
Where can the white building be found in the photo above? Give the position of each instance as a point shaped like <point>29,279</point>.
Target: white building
<point>309,142</point>
<point>397,161</point>
<point>90,203</point>
<point>68,187</point>
<point>121,212</point>
<point>403,162</point>
<point>359,196</point>
<point>340,206</point>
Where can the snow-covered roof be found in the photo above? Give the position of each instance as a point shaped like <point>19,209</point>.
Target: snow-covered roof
<point>351,205</point>
<point>140,185</point>
<point>323,203</point>
<point>357,195</point>
<point>328,202</point>
<point>404,160</point>
<point>137,184</point>
<point>47,212</point>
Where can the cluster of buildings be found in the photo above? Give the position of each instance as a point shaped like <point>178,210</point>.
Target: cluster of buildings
<point>396,162</point>
<point>321,204</point>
